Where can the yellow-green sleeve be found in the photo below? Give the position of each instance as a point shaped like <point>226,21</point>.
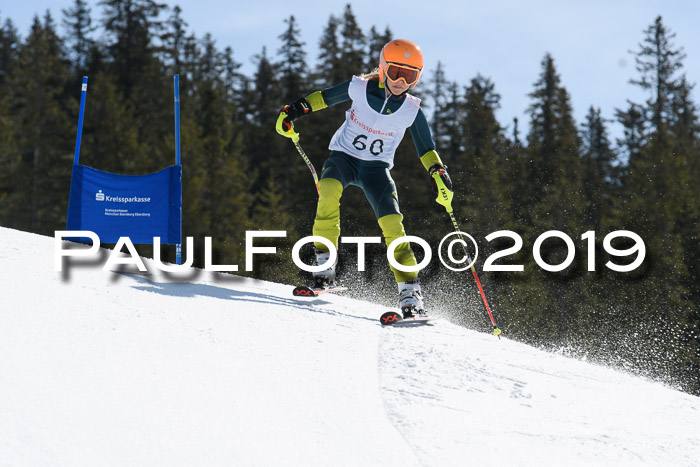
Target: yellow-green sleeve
<point>316,101</point>
<point>430,158</point>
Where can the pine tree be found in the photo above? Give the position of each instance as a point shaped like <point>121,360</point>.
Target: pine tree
<point>657,62</point>
<point>9,45</point>
<point>110,139</point>
<point>318,128</point>
<point>552,193</point>
<point>188,67</point>
<point>174,40</point>
<point>134,56</point>
<point>290,170</point>
<point>131,26</point>
<point>546,115</point>
<point>685,126</point>
<point>271,212</point>
<point>516,133</point>
<point>233,81</point>
<point>516,185</point>
<point>267,89</point>
<point>635,130</point>
<point>78,25</point>
<point>651,173</point>
<point>328,71</point>
<point>599,173</point>
<point>265,149</point>
<point>11,188</point>
<point>659,200</point>
<point>216,178</point>
<point>446,109</point>
<point>292,62</point>
<point>652,180</point>
<point>10,157</point>
<point>449,134</point>
<point>554,174</point>
<point>486,142</point>
<point>227,195</point>
<point>352,45</point>
<point>375,43</point>
<point>449,137</point>
<point>43,139</point>
<point>479,170</point>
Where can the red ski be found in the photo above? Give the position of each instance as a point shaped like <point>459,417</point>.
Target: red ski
<point>304,291</point>
<point>394,318</point>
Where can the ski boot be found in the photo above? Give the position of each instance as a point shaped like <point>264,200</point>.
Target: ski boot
<point>411,299</point>
<point>326,278</point>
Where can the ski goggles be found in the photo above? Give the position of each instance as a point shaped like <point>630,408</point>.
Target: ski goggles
<point>396,72</point>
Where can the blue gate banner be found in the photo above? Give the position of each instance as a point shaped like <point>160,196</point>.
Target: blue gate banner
<point>136,206</point>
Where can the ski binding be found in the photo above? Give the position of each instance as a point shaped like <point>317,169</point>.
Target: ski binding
<point>394,318</point>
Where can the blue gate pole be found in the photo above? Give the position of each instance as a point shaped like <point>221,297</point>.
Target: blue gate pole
<point>78,139</point>
<point>178,247</point>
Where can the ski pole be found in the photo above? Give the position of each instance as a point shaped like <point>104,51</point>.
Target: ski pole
<point>295,139</point>
<point>445,199</point>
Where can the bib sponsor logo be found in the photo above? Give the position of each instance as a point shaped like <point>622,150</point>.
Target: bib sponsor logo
<point>366,127</point>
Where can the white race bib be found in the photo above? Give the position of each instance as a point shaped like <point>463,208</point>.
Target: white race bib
<point>369,135</point>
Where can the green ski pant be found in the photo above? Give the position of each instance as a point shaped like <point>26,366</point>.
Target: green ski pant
<point>341,170</point>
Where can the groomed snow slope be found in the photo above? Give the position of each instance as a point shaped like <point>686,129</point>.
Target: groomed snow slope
<point>137,369</point>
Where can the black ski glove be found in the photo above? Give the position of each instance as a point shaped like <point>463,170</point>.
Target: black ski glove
<point>292,112</point>
<point>443,176</point>
<point>442,185</point>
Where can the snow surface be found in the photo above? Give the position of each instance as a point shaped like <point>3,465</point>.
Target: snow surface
<point>140,369</point>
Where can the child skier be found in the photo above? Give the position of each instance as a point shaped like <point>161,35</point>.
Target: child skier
<point>362,153</point>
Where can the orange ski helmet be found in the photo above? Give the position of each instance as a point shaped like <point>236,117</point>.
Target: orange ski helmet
<point>401,59</point>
